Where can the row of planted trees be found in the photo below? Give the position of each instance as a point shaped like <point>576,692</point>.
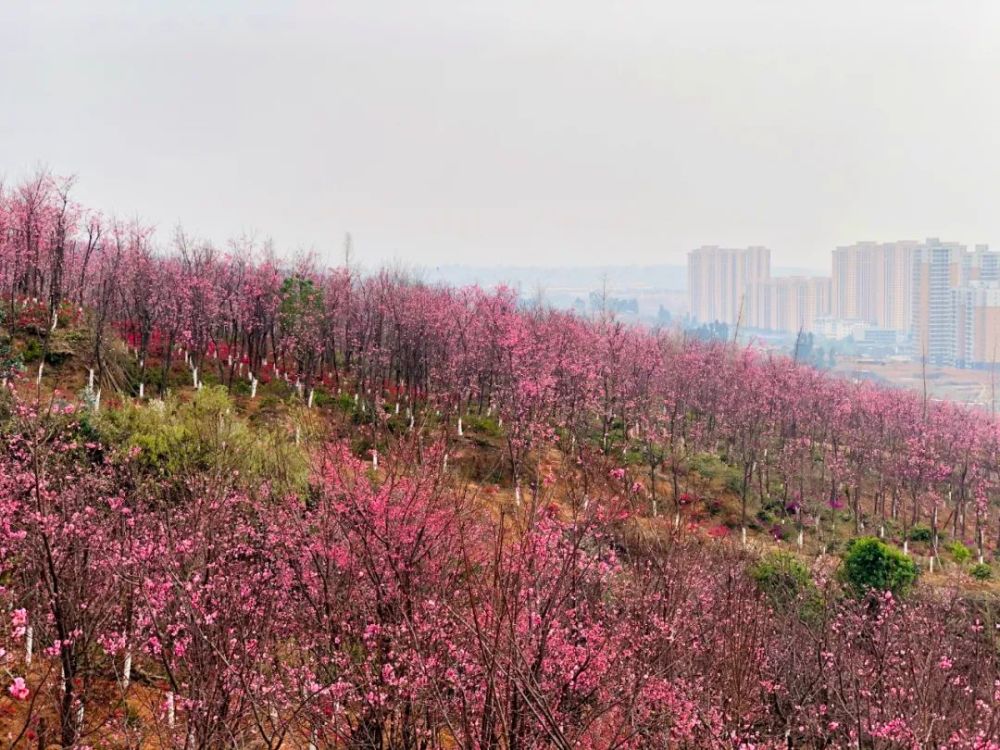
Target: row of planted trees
<point>798,439</point>
<point>391,610</point>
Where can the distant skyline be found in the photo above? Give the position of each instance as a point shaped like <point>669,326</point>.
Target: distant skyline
<point>516,133</point>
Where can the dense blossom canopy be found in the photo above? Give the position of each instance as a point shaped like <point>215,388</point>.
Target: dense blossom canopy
<point>387,605</point>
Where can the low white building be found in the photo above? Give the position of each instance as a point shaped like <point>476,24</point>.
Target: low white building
<point>839,329</point>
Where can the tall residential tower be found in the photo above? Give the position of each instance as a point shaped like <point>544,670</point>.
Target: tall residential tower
<point>724,283</point>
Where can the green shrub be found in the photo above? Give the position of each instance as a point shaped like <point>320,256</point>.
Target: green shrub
<point>322,399</point>
<point>781,576</point>
<point>959,551</point>
<point>920,532</point>
<point>32,351</point>
<point>180,439</point>
<point>482,424</point>
<point>872,565</point>
<point>345,402</point>
<point>241,387</point>
<point>708,465</point>
<point>981,572</point>
<point>734,482</point>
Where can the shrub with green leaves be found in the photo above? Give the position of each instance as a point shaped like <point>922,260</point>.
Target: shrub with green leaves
<point>981,572</point>
<point>872,565</point>
<point>959,551</point>
<point>713,468</point>
<point>785,580</point>
<point>920,532</point>
<point>178,439</point>
<point>487,425</point>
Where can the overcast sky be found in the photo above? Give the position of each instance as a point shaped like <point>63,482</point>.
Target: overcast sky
<point>541,132</point>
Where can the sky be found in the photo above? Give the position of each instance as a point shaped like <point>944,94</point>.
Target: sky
<point>550,132</point>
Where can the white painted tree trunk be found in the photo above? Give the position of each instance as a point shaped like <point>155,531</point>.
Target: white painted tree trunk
<point>310,404</point>
<point>194,376</point>
<point>29,645</point>
<point>127,670</point>
<point>375,459</point>
<point>460,427</point>
<point>41,367</point>
<point>90,382</point>
<point>171,711</point>
<point>142,390</point>
<point>253,388</point>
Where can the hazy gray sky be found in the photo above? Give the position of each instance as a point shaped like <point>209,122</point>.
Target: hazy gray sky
<point>544,132</point>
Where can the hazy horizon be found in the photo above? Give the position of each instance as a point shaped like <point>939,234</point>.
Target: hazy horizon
<point>488,134</point>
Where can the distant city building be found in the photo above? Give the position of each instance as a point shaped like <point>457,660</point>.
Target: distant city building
<point>880,341</point>
<point>933,299</point>
<point>723,283</point>
<point>982,264</point>
<point>938,268</point>
<point>977,323</point>
<point>872,282</point>
<point>790,303</point>
<point>839,329</point>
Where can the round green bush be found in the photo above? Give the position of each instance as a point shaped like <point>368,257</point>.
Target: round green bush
<point>981,572</point>
<point>872,565</point>
<point>787,582</point>
<point>781,576</point>
<point>959,551</point>
<point>920,533</point>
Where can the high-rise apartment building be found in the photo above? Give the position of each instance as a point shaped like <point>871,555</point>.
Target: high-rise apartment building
<point>938,269</point>
<point>871,282</point>
<point>946,299</point>
<point>982,264</point>
<point>723,283</point>
<point>977,323</point>
<point>791,303</point>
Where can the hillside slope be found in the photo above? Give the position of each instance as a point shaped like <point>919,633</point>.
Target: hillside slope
<point>249,506</point>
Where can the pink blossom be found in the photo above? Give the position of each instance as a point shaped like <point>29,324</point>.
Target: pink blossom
<point>19,690</point>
